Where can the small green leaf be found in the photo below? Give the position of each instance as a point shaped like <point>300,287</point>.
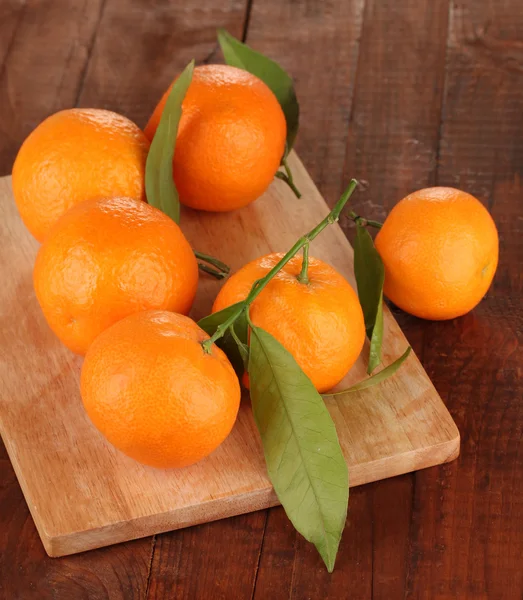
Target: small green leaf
<point>376,339</point>
<point>159,183</point>
<point>240,55</point>
<point>303,455</point>
<point>227,343</point>
<point>370,275</point>
<point>374,379</point>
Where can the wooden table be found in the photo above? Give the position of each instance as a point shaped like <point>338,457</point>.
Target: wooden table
<point>402,95</point>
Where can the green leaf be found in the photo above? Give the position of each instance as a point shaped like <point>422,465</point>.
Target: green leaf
<point>159,183</point>
<point>240,55</point>
<point>376,339</point>
<point>370,275</point>
<point>374,379</point>
<point>303,455</point>
<point>227,343</point>
<point>211,322</point>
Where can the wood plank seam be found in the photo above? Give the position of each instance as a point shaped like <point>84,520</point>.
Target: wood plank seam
<point>260,550</point>
<point>358,61</point>
<point>435,176</point>
<point>90,52</point>
<point>150,566</point>
<point>12,40</point>
<point>246,23</point>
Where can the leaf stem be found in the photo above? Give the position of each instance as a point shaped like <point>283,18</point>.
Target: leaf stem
<point>214,272</point>
<point>215,262</point>
<point>287,176</point>
<point>289,182</point>
<point>258,286</point>
<point>243,349</point>
<point>363,221</point>
<point>303,277</point>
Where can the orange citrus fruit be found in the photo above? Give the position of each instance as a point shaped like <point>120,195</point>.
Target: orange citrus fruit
<point>75,155</point>
<point>106,259</point>
<point>440,250</point>
<point>231,138</point>
<point>150,388</point>
<point>320,323</point>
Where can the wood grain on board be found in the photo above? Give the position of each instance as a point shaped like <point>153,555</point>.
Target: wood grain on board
<point>82,493</point>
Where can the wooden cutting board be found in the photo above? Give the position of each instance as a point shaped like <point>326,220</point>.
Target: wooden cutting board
<point>83,494</point>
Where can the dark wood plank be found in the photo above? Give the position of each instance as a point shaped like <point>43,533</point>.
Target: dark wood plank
<point>216,560</point>
<point>392,126</point>
<point>11,14</point>
<point>46,49</point>
<point>468,517</point>
<point>392,149</point>
<point>317,42</point>
<point>141,46</point>
<point>393,136</point>
<point>391,518</point>
<point>277,561</point>
<point>290,566</point>
<point>467,526</point>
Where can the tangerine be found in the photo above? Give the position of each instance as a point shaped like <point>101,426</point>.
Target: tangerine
<point>106,259</point>
<point>75,155</point>
<point>150,388</point>
<point>231,138</point>
<point>320,322</point>
<point>439,247</point>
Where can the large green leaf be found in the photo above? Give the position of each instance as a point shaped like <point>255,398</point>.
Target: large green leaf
<point>301,447</point>
<point>159,183</point>
<point>240,55</point>
<point>234,351</point>
<point>370,275</point>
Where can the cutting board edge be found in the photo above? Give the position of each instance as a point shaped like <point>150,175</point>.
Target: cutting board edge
<point>221,508</point>
<point>386,466</point>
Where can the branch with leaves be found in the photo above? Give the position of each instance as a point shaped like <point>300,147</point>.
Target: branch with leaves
<point>301,447</point>
<point>302,452</point>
